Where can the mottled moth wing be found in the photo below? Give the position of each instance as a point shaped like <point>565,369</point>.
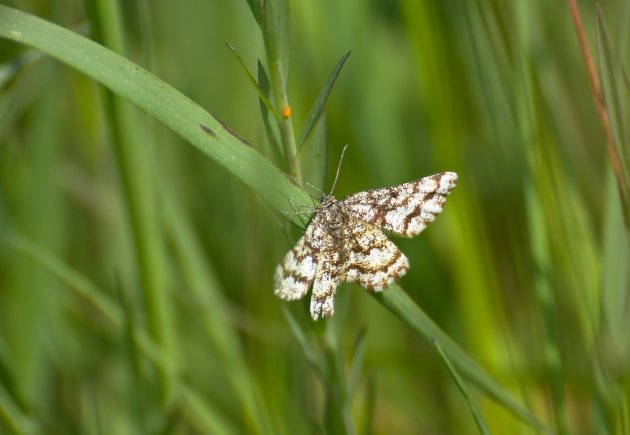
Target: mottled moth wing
<point>373,261</point>
<point>330,272</point>
<point>404,210</point>
<point>296,271</point>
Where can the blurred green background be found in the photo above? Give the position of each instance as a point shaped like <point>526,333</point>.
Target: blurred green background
<point>136,274</point>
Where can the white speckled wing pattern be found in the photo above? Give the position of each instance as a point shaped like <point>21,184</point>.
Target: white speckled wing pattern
<point>344,241</point>
<point>373,260</point>
<point>404,210</point>
<point>330,271</point>
<point>295,273</point>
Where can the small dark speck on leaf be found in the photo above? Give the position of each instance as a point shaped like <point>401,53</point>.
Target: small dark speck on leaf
<point>230,131</point>
<point>207,130</point>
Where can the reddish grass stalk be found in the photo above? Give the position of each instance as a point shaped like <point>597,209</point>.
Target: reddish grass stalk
<point>598,98</point>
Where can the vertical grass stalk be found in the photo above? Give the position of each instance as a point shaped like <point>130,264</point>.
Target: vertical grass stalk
<point>134,158</point>
<point>276,37</point>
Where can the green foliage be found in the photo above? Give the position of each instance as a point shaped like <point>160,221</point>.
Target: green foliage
<point>136,270</point>
<point>318,106</point>
<point>481,425</point>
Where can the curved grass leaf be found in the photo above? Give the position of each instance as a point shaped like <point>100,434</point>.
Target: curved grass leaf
<point>261,94</point>
<point>205,418</point>
<point>357,363</point>
<point>204,286</point>
<point>78,283</point>
<point>481,425</point>
<point>404,308</point>
<point>300,337</point>
<point>10,69</point>
<point>256,7</point>
<point>320,102</point>
<point>170,107</point>
<point>13,408</point>
<point>13,417</point>
<point>315,159</point>
<point>201,411</point>
<point>133,158</point>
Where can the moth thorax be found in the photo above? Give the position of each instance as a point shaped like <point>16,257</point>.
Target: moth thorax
<point>327,200</point>
<point>334,217</point>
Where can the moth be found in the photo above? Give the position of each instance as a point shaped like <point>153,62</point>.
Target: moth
<point>345,241</point>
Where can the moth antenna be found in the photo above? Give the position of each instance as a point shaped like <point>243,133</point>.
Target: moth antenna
<point>338,168</point>
<point>312,186</point>
<point>298,209</point>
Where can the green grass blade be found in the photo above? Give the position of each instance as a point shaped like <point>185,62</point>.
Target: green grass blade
<point>133,355</point>
<point>200,412</point>
<point>13,408</point>
<point>370,404</point>
<point>13,417</point>
<point>135,154</point>
<point>277,33</point>
<point>315,158</point>
<point>406,310</point>
<point>18,96</point>
<point>272,136</point>
<point>161,101</point>
<point>356,365</point>
<point>90,293</point>
<point>300,337</point>
<point>204,287</point>
<point>10,69</point>
<point>320,102</point>
<point>276,36</point>
<point>336,404</point>
<point>481,424</point>
<point>616,285</point>
<point>330,372</point>
<point>85,289</point>
<point>6,378</point>
<point>547,303</point>
<point>261,94</point>
<point>204,417</point>
<point>74,280</point>
<point>256,7</point>
<point>613,96</point>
